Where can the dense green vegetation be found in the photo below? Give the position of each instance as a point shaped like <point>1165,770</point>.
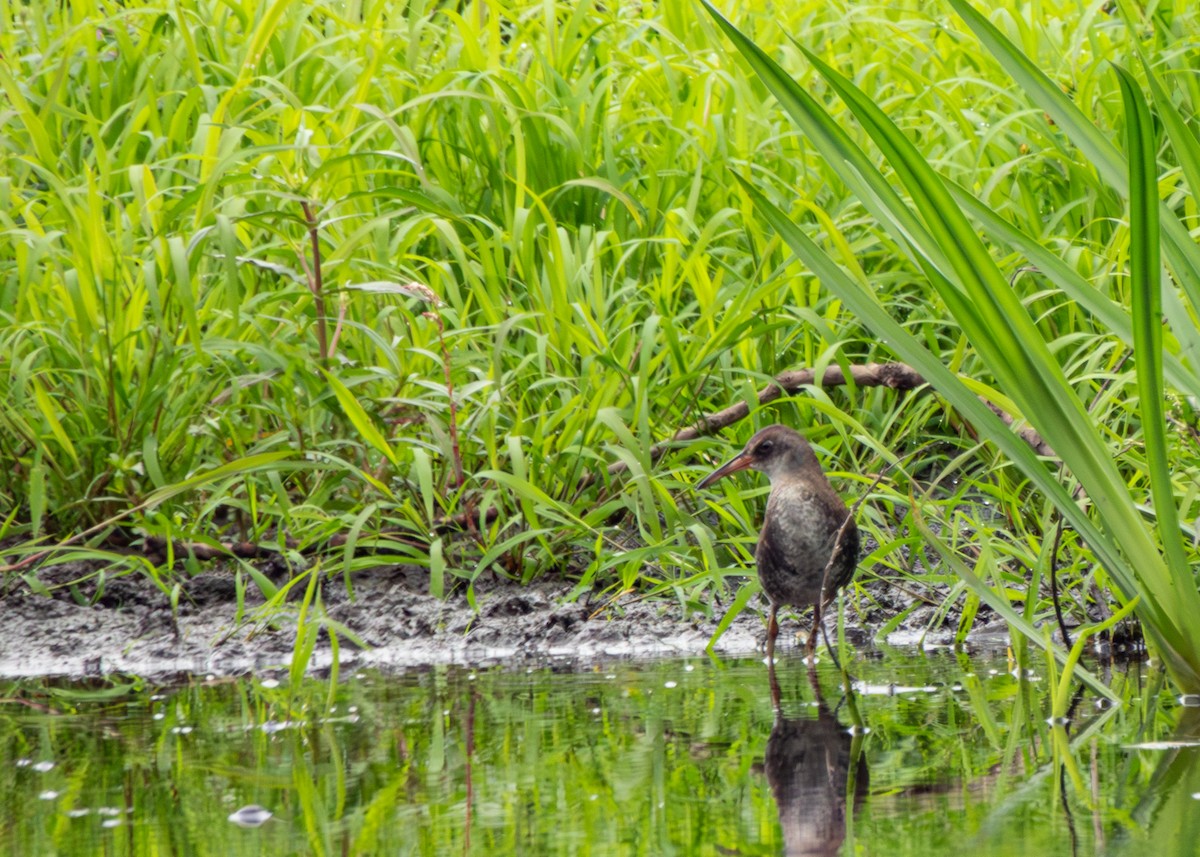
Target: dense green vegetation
<point>1155,576</point>
<point>335,277</point>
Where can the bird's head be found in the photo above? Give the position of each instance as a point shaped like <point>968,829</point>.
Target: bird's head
<point>776,451</point>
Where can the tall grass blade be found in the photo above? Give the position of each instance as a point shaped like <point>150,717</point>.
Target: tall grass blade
<point>1146,277</point>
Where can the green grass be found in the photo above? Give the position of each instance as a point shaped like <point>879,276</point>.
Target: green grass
<point>180,361</point>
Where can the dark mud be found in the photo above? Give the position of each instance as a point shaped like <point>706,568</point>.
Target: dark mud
<point>128,626</point>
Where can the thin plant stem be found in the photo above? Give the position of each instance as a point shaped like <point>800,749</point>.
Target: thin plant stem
<point>315,284</point>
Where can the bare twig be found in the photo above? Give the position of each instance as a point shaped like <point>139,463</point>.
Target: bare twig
<point>1058,613</point>
<point>337,328</point>
<point>1026,434</point>
<point>898,376</point>
<point>420,291</point>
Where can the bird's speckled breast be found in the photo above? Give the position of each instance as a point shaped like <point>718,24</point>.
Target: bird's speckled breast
<point>798,535</point>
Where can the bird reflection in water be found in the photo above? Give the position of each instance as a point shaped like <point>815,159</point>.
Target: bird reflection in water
<point>812,766</point>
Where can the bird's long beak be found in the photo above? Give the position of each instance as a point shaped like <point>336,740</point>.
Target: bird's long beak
<point>741,461</point>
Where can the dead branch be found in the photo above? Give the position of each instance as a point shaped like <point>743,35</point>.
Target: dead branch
<point>898,376</point>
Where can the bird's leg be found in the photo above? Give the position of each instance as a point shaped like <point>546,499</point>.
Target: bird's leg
<point>776,695</point>
<point>811,646</point>
<point>814,682</point>
<point>772,633</point>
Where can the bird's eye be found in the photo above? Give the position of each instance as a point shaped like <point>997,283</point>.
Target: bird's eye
<point>765,447</point>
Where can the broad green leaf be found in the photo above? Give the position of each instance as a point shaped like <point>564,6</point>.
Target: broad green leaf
<point>56,427</point>
<point>248,464</point>
<point>359,417</point>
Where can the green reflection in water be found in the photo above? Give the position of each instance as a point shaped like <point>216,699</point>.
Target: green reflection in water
<point>662,757</point>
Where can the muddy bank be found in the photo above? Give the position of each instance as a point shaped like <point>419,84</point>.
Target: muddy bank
<point>130,628</point>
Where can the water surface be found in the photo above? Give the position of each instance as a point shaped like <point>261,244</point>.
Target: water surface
<point>934,754</point>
